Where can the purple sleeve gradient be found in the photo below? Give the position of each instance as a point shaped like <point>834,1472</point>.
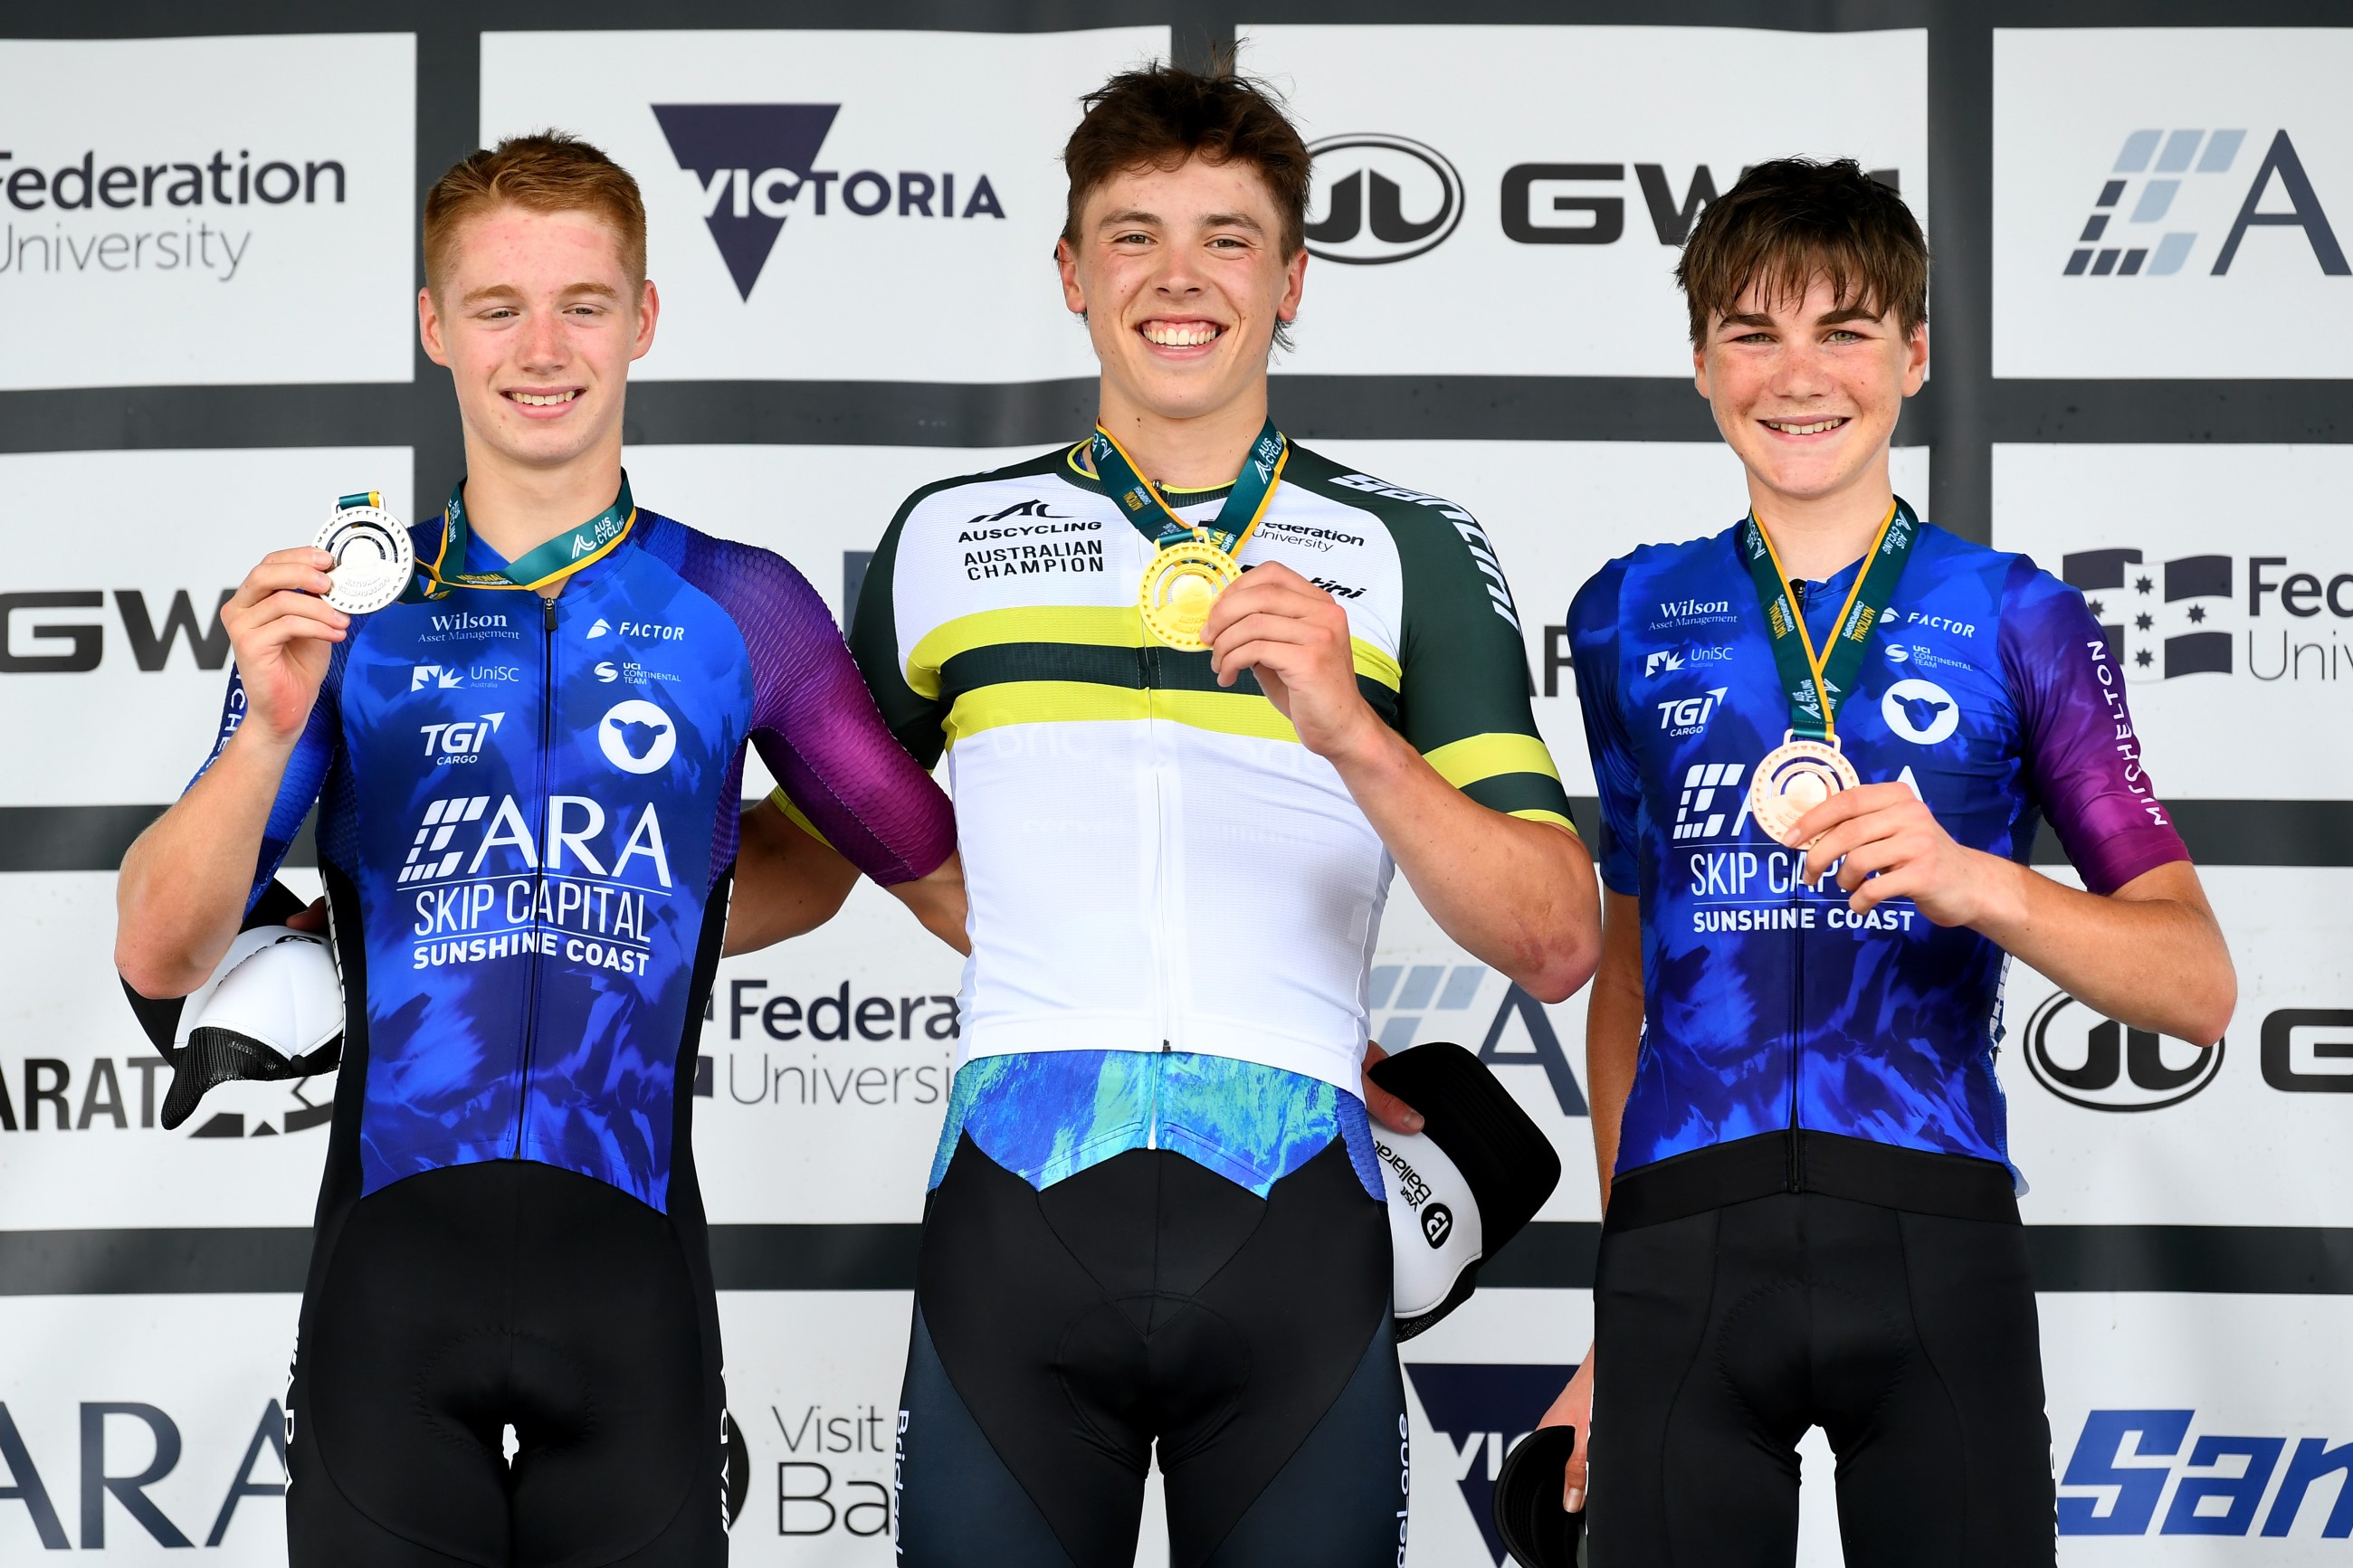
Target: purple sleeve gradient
<point>814,723</point>
<point>2081,749</point>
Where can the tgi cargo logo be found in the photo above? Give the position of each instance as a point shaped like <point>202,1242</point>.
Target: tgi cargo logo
<point>2167,187</point>
<point>753,164</point>
<point>2165,620</point>
<point>2102,1065</point>
<point>2138,1472</point>
<point>1481,1411</point>
<point>1384,198</point>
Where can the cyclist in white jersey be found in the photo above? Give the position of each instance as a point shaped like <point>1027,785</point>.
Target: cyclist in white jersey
<point>1154,1217</point>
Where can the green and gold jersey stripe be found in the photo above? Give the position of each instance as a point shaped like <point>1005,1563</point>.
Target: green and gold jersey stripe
<point>1231,712</point>
<point>1076,626</point>
<point>1476,757</point>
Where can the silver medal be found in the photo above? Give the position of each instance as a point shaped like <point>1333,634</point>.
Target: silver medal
<point>373,558</point>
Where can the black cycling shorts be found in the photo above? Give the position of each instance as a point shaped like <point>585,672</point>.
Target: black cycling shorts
<point>1909,1338</point>
<point>1060,1334</point>
<point>456,1303</point>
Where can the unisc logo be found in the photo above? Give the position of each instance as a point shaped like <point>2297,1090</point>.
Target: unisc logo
<point>751,164</point>
<point>2102,1065</point>
<point>1386,199</point>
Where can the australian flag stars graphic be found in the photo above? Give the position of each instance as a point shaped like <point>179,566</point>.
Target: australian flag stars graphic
<point>2153,633</point>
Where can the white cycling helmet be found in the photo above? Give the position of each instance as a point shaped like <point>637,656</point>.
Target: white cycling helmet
<point>273,1008</point>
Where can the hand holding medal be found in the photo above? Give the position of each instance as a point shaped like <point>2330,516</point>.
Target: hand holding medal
<point>1808,767</point>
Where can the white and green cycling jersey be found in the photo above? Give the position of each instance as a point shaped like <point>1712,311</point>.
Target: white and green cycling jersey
<point>1155,863</point>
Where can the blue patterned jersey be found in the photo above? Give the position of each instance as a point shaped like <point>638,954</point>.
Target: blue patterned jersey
<point>527,813</point>
<point>1767,1004</point>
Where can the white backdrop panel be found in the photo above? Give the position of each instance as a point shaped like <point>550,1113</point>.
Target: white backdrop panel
<point>187,211</point>
<point>846,266</point>
<point>135,538</point>
<point>2124,162</point>
<point>2233,602</point>
<point>1572,155</point>
<point>2112,1127</point>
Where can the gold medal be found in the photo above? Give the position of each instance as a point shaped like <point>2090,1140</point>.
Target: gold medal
<point>1795,777</point>
<point>1178,588</point>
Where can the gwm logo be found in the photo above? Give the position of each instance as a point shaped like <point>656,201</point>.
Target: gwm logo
<point>2164,180</point>
<point>2102,1065</point>
<point>1385,199</point>
<point>753,164</point>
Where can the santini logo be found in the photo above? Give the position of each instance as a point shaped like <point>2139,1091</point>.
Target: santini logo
<point>755,163</point>
<point>1385,199</point>
<point>2149,234</point>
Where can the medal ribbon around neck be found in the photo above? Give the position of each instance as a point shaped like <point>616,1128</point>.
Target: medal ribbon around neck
<point>1817,683</point>
<point>1808,767</point>
<point>540,568</point>
<point>1195,561</point>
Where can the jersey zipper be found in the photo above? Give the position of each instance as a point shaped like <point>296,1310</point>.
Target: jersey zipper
<point>1796,1162</point>
<point>538,875</point>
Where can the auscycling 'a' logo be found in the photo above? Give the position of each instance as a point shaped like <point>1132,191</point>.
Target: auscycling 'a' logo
<point>2140,223</point>
<point>753,163</point>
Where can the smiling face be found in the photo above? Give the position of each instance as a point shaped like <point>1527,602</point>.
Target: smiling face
<point>1181,275</point>
<point>537,319</point>
<point>1807,391</point>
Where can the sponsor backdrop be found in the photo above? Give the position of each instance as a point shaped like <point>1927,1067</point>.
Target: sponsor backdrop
<point>208,256</point>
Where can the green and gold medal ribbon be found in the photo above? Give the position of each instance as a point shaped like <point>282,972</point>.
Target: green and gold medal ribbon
<point>535,570</point>
<point>1245,505</point>
<point>1817,683</point>
<point>1194,562</point>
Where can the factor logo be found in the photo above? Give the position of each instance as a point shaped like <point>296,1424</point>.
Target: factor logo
<point>637,736</point>
<point>1922,711</point>
<point>2102,1065</point>
<point>1384,198</point>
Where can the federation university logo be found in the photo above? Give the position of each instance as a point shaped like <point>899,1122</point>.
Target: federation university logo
<point>754,164</point>
<point>2167,187</point>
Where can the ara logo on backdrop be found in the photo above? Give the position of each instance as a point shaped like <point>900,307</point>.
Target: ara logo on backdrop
<point>2168,190</point>
<point>2141,1472</point>
<point>118,1094</point>
<point>1480,1411</point>
<point>755,166</point>
<point>1382,198</point>
<point>2260,615</point>
<point>1519,1032</point>
<point>2101,1065</point>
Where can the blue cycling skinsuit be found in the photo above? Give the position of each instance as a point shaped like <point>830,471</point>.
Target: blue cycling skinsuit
<point>1156,1226</point>
<point>527,806</point>
<point>1812,1219</point>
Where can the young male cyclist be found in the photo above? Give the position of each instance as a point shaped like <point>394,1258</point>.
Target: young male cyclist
<point>527,774</point>
<point>1154,1221</point>
<point>1824,739</point>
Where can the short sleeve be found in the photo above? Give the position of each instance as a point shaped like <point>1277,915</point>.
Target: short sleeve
<point>817,728</point>
<point>1463,692</point>
<point>2082,750</point>
<point>1593,654</point>
<point>919,722</point>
